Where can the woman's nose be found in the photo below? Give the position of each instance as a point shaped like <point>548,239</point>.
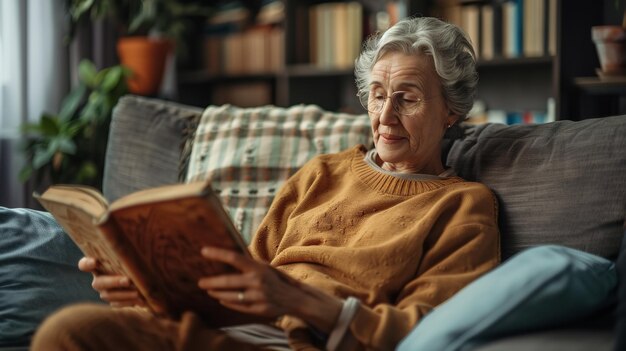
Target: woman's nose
<point>388,114</point>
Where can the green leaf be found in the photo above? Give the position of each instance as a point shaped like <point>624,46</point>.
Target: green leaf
<point>88,114</point>
<point>100,76</point>
<point>88,172</point>
<point>91,111</point>
<point>87,72</point>
<point>49,125</point>
<point>72,102</point>
<point>42,157</point>
<point>112,79</point>
<point>74,128</point>
<point>66,145</point>
<point>30,128</point>
<point>127,71</point>
<point>25,173</point>
<point>79,8</point>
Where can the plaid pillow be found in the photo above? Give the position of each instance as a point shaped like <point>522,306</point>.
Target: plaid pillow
<point>248,153</point>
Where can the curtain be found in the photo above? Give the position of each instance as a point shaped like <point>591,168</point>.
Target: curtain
<point>33,79</point>
<point>37,69</point>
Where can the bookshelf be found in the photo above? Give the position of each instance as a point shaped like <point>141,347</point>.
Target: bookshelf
<point>316,62</point>
<point>509,82</point>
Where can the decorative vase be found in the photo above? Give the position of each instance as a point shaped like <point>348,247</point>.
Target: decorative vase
<point>146,58</point>
<point>611,46</point>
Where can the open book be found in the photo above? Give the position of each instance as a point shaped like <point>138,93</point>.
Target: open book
<point>154,237</point>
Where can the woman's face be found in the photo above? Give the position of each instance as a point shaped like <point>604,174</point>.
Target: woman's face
<point>409,143</point>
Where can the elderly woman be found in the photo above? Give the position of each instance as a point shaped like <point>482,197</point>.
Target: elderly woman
<point>357,246</point>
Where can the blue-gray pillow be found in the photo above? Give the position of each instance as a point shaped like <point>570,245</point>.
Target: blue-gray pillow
<point>38,273</point>
<point>540,287</point>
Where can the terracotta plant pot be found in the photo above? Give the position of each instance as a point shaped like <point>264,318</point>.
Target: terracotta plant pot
<point>611,46</point>
<point>146,57</point>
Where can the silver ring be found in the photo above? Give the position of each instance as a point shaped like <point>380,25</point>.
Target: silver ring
<point>240,296</point>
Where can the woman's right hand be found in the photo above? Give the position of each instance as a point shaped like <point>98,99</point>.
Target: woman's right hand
<point>117,290</point>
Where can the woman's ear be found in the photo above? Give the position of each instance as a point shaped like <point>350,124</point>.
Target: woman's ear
<point>451,119</point>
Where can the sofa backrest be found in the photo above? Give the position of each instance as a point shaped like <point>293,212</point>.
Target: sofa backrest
<point>558,183</point>
<point>145,143</point>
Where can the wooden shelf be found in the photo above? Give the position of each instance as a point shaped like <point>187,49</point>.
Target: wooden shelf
<point>597,86</point>
<point>515,61</point>
<point>203,76</point>
<point>305,70</point>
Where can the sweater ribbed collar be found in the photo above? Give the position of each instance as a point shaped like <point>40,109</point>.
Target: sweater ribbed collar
<point>389,183</point>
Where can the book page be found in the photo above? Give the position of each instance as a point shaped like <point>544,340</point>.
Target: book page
<point>79,223</point>
<point>80,196</point>
<point>162,193</point>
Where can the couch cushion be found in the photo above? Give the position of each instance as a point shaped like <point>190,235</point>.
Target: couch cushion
<point>569,339</point>
<point>145,143</point>
<point>561,183</point>
<point>542,287</point>
<point>38,273</point>
<point>248,153</point>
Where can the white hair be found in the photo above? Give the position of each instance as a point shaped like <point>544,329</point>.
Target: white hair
<point>451,49</point>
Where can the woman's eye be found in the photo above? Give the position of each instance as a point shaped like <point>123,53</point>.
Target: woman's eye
<point>410,98</point>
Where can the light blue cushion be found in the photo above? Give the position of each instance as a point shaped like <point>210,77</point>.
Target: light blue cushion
<point>540,287</point>
<point>38,273</point>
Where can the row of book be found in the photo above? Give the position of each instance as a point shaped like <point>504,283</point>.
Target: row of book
<point>256,50</point>
<point>481,114</point>
<point>335,34</point>
<point>237,42</point>
<point>507,28</point>
<point>512,117</point>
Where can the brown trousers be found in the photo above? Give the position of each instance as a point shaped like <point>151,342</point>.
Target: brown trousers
<point>99,327</point>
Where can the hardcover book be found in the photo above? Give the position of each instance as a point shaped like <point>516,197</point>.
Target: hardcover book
<point>154,237</point>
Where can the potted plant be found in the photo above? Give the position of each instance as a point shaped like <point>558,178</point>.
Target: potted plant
<point>148,30</point>
<point>69,147</point>
<point>610,41</point>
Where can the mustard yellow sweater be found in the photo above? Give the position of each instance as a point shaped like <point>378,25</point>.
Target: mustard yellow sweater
<point>400,246</point>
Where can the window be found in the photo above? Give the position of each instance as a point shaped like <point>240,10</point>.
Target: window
<point>2,77</point>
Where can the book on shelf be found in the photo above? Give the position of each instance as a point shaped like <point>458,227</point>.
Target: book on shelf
<point>154,237</point>
<point>534,27</point>
<point>470,22</point>
<point>512,45</point>
<point>512,117</point>
<point>257,50</point>
<point>487,33</point>
<point>551,25</point>
<point>335,34</point>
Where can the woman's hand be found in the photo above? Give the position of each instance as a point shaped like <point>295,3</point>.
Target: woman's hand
<point>117,290</point>
<point>262,290</point>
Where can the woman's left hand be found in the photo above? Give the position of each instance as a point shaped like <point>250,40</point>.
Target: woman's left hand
<point>260,289</point>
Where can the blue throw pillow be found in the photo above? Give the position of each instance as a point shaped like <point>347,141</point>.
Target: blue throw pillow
<point>38,273</point>
<point>540,287</point>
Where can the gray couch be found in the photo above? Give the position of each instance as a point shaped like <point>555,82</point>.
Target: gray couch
<point>561,183</point>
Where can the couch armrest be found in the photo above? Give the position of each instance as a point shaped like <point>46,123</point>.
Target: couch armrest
<point>145,144</point>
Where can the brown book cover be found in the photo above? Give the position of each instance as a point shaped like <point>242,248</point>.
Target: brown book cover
<point>154,237</point>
